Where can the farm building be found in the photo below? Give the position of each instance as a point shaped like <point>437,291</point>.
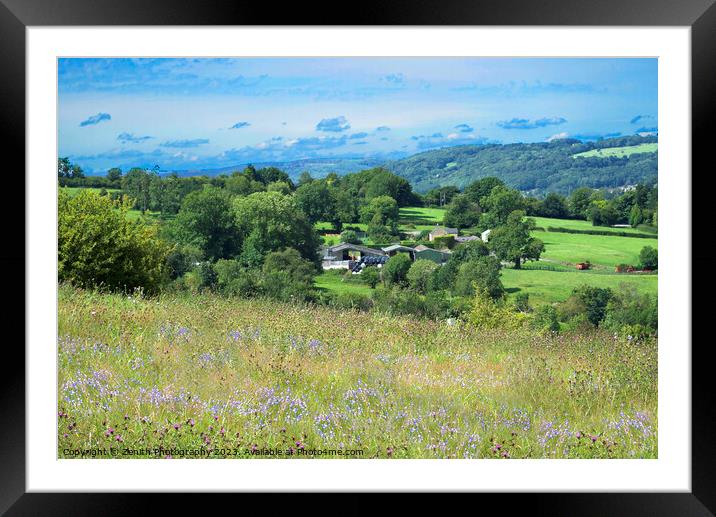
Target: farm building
<point>342,255</point>
<point>425,253</point>
<point>441,231</point>
<point>467,238</point>
<point>399,248</point>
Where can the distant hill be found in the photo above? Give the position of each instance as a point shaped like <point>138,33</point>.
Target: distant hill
<point>536,168</point>
<point>318,167</point>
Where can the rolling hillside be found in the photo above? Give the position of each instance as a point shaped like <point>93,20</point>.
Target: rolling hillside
<point>558,166</point>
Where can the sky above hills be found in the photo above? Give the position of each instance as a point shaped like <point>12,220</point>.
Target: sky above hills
<point>204,113</point>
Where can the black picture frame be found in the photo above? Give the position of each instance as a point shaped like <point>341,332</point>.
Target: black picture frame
<point>16,15</point>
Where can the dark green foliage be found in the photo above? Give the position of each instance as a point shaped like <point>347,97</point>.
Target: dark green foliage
<point>594,300</point>
<point>553,205</point>
<point>521,302</point>
<point>513,242</point>
<point>350,301</point>
<point>462,213</point>
<point>182,259</point>
<point>601,232</point>
<point>632,313</point>
<point>499,204</point>
<point>444,277</point>
<point>440,197</point>
<point>534,167</point>
<point>370,276</point>
<point>545,318</point>
<point>350,237</point>
<point>420,273</point>
<point>478,190</point>
<point>271,222</point>
<point>649,258</point>
<point>395,271</point>
<point>482,273</point>
<point>205,221</point>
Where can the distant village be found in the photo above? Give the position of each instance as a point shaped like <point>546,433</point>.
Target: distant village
<point>356,257</point>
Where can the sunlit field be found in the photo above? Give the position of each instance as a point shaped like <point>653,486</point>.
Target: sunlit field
<point>232,376</point>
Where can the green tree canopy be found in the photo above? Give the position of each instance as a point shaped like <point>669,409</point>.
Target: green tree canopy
<point>462,213</point>
<point>270,221</point>
<point>99,247</point>
<point>206,221</point>
<point>513,242</point>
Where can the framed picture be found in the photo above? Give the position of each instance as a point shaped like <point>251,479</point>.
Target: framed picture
<point>411,250</point>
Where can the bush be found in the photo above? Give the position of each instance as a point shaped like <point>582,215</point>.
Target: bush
<point>486,313</point>
<point>182,259</point>
<point>370,276</point>
<point>545,319</point>
<point>444,241</point>
<point>595,300</point>
<point>649,258</point>
<point>235,280</point>
<point>397,301</point>
<point>395,271</point>
<point>98,246</point>
<point>631,313</point>
<point>521,302</point>
<point>482,273</point>
<point>419,274</point>
<point>350,301</point>
<point>350,237</point>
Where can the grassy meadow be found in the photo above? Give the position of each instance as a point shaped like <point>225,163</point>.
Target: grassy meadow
<point>619,152</point>
<point>232,376</point>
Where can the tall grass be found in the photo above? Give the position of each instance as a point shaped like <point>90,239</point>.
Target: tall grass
<point>231,376</point>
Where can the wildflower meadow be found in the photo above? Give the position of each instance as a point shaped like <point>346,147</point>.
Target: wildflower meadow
<point>232,377</point>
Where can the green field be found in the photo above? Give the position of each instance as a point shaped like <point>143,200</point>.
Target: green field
<point>556,286</point>
<point>413,214</point>
<point>331,281</point>
<point>601,250</point>
<point>73,191</point>
<point>619,152</point>
<point>578,224</point>
<point>228,376</point>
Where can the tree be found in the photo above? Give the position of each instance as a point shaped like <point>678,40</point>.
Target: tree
<point>290,261</point>
<point>594,300</point>
<point>500,203</point>
<point>395,271</point>
<point>243,184</point>
<point>371,276</point>
<point>385,183</point>
<point>444,277</point>
<point>555,206</point>
<point>304,178</point>
<point>579,202</point>
<point>114,174</point>
<point>649,258</point>
<point>136,183</point>
<point>636,216</point>
<point>315,200</point>
<point>99,247</point>
<point>206,221</point>
<point>381,210</point>
<point>481,273</point>
<point>462,213</point>
<point>602,213</point>
<point>440,196</point>
<point>513,242</point>
<point>480,189</point>
<point>419,274</point>
<point>270,221</point>
<point>350,237</point>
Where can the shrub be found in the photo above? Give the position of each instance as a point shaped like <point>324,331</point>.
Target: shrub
<point>482,273</point>
<point>444,241</point>
<point>521,302</point>
<point>350,237</point>
<point>395,271</point>
<point>649,258</point>
<point>370,276</point>
<point>632,313</point>
<point>595,301</point>
<point>351,301</point>
<point>234,279</point>
<point>182,259</point>
<point>98,246</point>
<point>419,274</point>
<point>486,313</point>
<point>545,319</point>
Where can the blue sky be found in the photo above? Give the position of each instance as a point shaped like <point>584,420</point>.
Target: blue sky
<point>203,113</point>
